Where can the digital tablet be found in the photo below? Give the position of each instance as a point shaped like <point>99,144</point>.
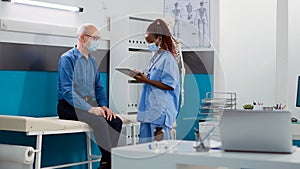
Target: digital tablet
<point>127,71</point>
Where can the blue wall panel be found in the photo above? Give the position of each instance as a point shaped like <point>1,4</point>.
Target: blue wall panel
<point>195,88</point>
<point>33,93</point>
<point>28,93</point>
<point>296,143</point>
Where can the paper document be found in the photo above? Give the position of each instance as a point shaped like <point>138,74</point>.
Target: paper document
<point>127,71</point>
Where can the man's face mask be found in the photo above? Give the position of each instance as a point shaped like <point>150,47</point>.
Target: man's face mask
<point>94,45</point>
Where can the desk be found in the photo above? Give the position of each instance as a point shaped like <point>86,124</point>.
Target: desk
<point>181,153</point>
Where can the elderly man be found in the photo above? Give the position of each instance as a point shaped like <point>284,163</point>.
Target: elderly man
<point>81,95</point>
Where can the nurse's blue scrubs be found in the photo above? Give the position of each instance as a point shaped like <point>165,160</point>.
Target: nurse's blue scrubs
<point>159,107</point>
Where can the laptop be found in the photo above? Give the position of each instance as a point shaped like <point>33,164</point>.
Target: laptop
<point>256,131</point>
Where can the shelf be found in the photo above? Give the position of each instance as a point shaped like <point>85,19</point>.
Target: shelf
<point>217,107</point>
<point>219,101</point>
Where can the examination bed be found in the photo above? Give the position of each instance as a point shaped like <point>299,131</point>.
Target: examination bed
<point>47,126</point>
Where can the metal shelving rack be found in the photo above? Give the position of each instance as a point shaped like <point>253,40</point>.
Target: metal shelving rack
<point>215,101</point>
<point>211,111</point>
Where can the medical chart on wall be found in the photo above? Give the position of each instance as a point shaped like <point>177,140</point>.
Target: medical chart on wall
<point>192,21</point>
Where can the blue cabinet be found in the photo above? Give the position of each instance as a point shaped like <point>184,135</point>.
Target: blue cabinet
<point>199,80</point>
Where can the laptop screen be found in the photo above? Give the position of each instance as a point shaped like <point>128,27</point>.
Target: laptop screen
<point>259,131</point>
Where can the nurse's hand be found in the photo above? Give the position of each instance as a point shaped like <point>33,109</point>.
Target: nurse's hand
<point>140,77</point>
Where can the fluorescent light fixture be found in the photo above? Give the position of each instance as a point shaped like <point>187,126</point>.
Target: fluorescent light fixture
<point>47,5</point>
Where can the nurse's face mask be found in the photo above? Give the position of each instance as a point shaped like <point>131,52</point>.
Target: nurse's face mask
<point>153,47</point>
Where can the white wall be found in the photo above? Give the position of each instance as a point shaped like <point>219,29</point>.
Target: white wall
<point>248,49</point>
<point>282,52</point>
<point>294,55</point>
<point>247,43</point>
<point>95,11</point>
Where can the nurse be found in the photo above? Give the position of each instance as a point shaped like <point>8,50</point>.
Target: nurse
<point>159,102</point>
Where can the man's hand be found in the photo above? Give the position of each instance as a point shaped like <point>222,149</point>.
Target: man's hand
<point>109,114</point>
<point>98,111</point>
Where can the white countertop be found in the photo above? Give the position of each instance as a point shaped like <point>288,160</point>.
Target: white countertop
<point>182,152</point>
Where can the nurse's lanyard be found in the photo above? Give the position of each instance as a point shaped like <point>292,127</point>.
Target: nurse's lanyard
<point>153,61</point>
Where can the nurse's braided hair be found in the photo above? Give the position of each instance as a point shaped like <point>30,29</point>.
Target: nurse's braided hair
<point>159,28</point>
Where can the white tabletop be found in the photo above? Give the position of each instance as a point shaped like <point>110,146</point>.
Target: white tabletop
<point>182,152</point>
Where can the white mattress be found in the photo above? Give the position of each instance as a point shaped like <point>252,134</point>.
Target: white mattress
<point>126,119</point>
<point>32,124</point>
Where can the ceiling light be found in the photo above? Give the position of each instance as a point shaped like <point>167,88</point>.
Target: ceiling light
<point>47,5</point>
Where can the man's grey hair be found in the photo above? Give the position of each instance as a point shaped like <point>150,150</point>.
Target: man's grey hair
<point>82,29</point>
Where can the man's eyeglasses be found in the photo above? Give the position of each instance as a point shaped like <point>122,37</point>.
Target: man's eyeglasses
<point>96,38</point>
